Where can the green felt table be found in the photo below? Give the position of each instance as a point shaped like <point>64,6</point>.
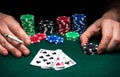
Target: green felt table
<point>104,65</point>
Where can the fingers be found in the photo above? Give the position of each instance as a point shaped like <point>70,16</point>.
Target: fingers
<point>13,47</point>
<point>8,25</point>
<point>18,45</point>
<point>9,47</point>
<point>17,30</point>
<point>115,41</point>
<point>107,32</point>
<point>92,30</point>
<point>86,35</point>
<point>3,51</point>
<point>110,30</point>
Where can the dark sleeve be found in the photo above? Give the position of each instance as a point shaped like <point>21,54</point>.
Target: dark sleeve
<point>114,4</point>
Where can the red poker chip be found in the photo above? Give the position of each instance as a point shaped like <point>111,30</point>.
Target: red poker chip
<point>34,39</point>
<point>41,36</point>
<point>38,37</point>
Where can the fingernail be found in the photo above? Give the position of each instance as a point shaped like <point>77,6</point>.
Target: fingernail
<point>28,41</point>
<point>82,44</point>
<point>26,52</point>
<point>5,52</point>
<point>18,54</point>
<point>99,51</point>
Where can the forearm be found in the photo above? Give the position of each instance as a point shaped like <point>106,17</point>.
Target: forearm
<point>113,10</point>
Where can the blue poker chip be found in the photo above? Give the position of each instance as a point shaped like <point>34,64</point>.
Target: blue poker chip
<point>54,39</point>
<point>51,38</point>
<point>59,40</point>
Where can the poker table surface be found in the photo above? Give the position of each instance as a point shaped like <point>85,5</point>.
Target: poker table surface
<point>104,65</point>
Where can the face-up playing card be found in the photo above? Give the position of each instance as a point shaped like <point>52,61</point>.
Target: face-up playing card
<point>45,58</point>
<point>63,61</point>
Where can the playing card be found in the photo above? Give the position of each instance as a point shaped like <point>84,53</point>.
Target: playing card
<point>63,61</point>
<point>45,58</point>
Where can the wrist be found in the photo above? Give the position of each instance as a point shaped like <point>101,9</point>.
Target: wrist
<point>112,14</point>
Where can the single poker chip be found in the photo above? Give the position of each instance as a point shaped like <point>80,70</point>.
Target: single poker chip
<point>72,36</point>
<point>90,49</point>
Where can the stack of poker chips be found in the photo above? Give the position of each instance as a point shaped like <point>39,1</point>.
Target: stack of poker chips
<point>63,25</point>
<point>73,36</point>
<point>28,23</point>
<point>46,26</point>
<point>90,49</point>
<point>78,23</point>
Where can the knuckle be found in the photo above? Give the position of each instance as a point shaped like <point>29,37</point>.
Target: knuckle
<point>12,49</point>
<point>15,43</point>
<point>108,36</point>
<point>8,18</point>
<point>108,20</point>
<point>116,40</point>
<point>4,43</point>
<point>81,37</point>
<point>117,24</point>
<point>15,52</point>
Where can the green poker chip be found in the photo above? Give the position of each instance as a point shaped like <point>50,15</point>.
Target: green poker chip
<point>72,36</point>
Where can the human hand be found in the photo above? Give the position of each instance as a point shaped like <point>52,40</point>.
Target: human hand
<point>8,25</point>
<point>109,28</point>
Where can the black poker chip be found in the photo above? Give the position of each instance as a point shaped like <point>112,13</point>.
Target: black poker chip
<point>90,49</point>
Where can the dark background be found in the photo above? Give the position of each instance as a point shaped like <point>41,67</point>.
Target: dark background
<point>51,9</point>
